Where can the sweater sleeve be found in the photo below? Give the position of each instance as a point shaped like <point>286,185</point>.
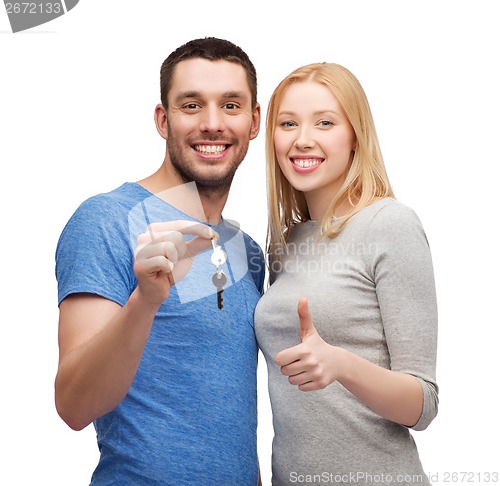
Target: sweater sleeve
<point>402,269</point>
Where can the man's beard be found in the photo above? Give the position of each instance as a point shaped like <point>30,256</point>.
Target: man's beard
<point>207,185</point>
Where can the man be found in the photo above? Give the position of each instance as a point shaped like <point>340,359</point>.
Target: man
<point>166,374</point>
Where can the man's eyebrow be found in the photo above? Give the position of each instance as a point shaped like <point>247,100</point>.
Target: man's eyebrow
<point>197,94</point>
<point>235,94</point>
<point>187,94</point>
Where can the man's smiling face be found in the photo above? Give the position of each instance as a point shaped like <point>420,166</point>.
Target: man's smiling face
<point>210,121</point>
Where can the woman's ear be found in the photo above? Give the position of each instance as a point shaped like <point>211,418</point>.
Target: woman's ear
<point>161,121</point>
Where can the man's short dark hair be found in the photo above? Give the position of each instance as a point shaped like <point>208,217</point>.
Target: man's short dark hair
<point>212,49</point>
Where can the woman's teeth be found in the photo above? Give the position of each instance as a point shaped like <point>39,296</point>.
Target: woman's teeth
<point>305,163</point>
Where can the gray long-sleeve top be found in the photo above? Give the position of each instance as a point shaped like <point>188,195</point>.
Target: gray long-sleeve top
<point>371,291</point>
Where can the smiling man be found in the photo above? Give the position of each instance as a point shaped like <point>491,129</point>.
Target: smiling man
<point>168,376</point>
<point>208,118</point>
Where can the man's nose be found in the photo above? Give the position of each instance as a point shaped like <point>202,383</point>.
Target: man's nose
<point>212,120</point>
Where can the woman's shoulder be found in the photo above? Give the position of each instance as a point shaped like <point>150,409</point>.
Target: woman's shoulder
<point>389,212</point>
<point>393,222</point>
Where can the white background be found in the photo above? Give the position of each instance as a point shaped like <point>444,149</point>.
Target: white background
<point>76,118</point>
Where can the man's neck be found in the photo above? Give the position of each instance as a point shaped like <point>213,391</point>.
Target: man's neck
<point>202,205</point>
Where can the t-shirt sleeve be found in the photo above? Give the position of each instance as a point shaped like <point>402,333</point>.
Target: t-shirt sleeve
<point>256,263</point>
<point>404,278</point>
<point>94,253</point>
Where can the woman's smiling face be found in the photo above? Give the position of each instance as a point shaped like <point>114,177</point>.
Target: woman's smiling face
<point>313,141</point>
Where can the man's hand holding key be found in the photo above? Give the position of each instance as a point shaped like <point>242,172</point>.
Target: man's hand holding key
<point>162,257</point>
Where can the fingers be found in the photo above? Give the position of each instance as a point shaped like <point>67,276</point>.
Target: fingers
<point>163,253</point>
<point>313,377</point>
<point>294,368</point>
<point>305,319</point>
<point>296,360</point>
<point>307,376</point>
<point>168,246</point>
<point>312,386</point>
<point>308,365</point>
<point>306,382</point>
<point>182,226</point>
<point>160,255</point>
<point>197,245</point>
<point>167,239</point>
<point>288,356</point>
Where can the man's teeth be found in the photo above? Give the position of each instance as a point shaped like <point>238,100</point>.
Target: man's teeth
<point>210,149</point>
<point>305,163</point>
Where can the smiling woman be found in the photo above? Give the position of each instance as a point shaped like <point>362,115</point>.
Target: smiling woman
<point>335,117</point>
<point>313,132</point>
<point>367,350</point>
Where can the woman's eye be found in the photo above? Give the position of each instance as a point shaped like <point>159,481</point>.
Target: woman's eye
<point>325,123</point>
<point>287,124</point>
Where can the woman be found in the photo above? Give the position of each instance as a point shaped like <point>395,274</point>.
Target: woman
<point>348,326</point>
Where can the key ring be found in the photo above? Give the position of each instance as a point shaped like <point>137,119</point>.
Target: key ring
<point>219,256</point>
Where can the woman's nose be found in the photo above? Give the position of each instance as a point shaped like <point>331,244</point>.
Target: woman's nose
<point>304,139</point>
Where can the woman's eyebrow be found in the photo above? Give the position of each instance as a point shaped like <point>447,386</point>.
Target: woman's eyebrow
<point>315,113</point>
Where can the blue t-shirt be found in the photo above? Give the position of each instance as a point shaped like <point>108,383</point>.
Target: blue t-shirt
<point>190,416</point>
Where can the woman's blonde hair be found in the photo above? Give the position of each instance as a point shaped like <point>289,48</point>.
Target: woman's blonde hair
<point>366,179</point>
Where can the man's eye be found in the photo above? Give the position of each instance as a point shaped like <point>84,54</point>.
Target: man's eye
<point>230,106</point>
<point>191,106</point>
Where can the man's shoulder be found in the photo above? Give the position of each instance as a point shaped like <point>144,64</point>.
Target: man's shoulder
<point>114,205</point>
<point>105,210</point>
<point>125,196</point>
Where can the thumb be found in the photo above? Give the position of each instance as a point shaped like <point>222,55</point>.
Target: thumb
<point>306,324</point>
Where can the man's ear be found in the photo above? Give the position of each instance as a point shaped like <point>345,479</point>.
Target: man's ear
<point>254,131</point>
<point>161,121</point>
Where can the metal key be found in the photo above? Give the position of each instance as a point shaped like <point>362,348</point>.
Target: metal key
<point>219,256</point>
<point>219,279</point>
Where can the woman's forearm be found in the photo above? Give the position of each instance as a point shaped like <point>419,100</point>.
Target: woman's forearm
<point>392,395</point>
